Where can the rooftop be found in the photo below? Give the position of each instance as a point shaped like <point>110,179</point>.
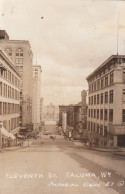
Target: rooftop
<point>106,62</point>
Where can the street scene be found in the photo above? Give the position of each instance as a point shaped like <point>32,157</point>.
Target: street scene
<point>62,97</point>
<point>60,166</point>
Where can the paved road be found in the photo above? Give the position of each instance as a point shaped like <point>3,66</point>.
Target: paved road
<point>60,167</point>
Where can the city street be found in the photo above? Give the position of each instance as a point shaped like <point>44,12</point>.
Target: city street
<point>60,166</point>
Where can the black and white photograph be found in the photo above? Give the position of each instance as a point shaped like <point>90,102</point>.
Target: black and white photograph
<point>62,97</point>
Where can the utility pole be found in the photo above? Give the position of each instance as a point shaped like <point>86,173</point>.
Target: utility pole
<point>117,34</point>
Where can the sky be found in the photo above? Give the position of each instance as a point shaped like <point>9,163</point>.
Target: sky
<point>69,39</point>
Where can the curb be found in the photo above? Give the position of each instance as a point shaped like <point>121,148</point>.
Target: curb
<point>101,150</point>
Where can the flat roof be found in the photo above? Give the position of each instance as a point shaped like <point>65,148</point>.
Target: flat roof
<point>105,62</point>
<point>9,61</point>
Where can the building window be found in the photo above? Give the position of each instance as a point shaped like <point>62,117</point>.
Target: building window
<point>105,131</point>
<point>92,87</point>
<point>123,115</point>
<point>97,98</point>
<point>112,77</point>
<point>105,114</point>
<point>101,114</point>
<point>106,80</point>
<point>8,51</point>
<point>98,84</point>
<point>101,98</point>
<point>94,113</point>
<point>97,113</point>
<point>0,108</point>
<point>106,97</point>
<point>89,112</point>
<point>101,129</point>
<point>123,91</point>
<point>110,114</point>
<point>97,128</point>
<point>111,96</point>
<point>94,99</point>
<point>102,82</point>
<point>19,56</point>
<point>1,89</point>
<point>95,86</point>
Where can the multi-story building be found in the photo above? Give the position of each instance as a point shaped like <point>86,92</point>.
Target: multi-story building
<point>41,110</point>
<point>9,100</point>
<point>51,112</point>
<point>106,109</point>
<point>36,71</point>
<point>62,109</point>
<point>84,114</point>
<point>20,53</point>
<point>71,114</point>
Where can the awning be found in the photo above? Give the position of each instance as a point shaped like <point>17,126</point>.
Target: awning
<point>12,136</point>
<point>7,134</point>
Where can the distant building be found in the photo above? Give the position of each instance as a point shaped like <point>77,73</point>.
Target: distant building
<point>62,109</point>
<point>50,112</point>
<point>106,109</point>
<point>36,71</point>
<point>72,115</point>
<point>20,53</point>
<point>64,121</point>
<point>9,100</point>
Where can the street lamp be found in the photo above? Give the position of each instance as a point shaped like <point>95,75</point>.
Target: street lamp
<point>0,135</point>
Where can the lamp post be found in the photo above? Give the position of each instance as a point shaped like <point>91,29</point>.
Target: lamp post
<point>0,136</point>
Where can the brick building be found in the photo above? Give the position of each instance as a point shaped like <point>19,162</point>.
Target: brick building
<point>106,108</point>
<point>9,101</point>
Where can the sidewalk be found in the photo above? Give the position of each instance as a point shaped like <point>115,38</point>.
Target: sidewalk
<point>14,148</point>
<point>118,151</point>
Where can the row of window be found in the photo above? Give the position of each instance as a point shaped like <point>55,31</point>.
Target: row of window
<point>102,82</point>
<point>9,108</point>
<point>11,124</point>
<point>9,92</point>
<point>101,114</point>
<point>19,55</point>
<point>10,77</point>
<point>101,98</point>
<point>100,129</point>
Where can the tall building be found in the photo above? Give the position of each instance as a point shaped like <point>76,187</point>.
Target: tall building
<point>62,109</point>
<point>9,101</point>
<point>51,112</point>
<point>36,71</point>
<point>20,53</point>
<point>41,110</point>
<point>106,109</point>
<point>84,114</point>
<point>70,119</point>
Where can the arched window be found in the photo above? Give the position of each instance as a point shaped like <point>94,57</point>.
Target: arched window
<point>19,56</point>
<point>8,51</point>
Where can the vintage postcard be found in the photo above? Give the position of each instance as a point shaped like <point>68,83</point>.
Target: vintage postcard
<point>62,97</point>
